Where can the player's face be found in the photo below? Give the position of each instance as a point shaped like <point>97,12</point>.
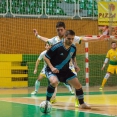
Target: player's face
<point>69,40</point>
<point>60,31</point>
<point>114,45</point>
<point>47,46</point>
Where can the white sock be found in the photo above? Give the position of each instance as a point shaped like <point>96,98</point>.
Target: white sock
<point>37,85</point>
<point>68,86</point>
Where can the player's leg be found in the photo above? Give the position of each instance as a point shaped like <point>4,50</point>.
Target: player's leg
<point>53,99</point>
<point>79,92</point>
<point>53,83</point>
<point>110,71</point>
<point>69,87</point>
<point>104,80</point>
<point>37,83</point>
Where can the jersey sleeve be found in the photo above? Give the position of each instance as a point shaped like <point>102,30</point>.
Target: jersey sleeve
<point>50,53</point>
<point>41,55</point>
<point>51,41</point>
<point>74,54</point>
<point>108,54</point>
<point>77,39</point>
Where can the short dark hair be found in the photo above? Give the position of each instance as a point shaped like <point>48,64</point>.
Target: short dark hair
<point>69,32</point>
<point>60,24</point>
<point>113,42</point>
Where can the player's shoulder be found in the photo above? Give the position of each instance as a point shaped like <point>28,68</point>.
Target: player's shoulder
<point>73,46</point>
<point>76,37</point>
<point>110,51</point>
<point>57,45</point>
<point>54,37</point>
<point>43,52</point>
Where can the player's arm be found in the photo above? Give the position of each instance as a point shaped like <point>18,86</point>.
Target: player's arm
<point>74,61</point>
<point>50,54</point>
<point>77,69</point>
<point>40,37</point>
<point>38,61</point>
<point>104,64</point>
<point>53,69</point>
<point>36,66</point>
<point>94,38</point>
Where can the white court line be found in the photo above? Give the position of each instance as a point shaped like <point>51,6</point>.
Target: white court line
<point>55,107</point>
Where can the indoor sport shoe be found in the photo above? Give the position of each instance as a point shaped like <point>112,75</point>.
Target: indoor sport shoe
<point>52,101</point>
<point>72,92</point>
<point>101,88</point>
<point>84,106</point>
<point>34,93</point>
<point>76,103</point>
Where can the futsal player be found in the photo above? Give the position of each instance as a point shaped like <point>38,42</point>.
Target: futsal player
<point>57,70</point>
<point>60,28</point>
<point>112,68</point>
<point>42,73</point>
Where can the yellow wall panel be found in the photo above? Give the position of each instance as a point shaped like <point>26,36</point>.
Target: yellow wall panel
<point>10,57</point>
<point>8,74</point>
<point>19,84</point>
<point>5,65</point>
<point>5,73</point>
<point>8,83</point>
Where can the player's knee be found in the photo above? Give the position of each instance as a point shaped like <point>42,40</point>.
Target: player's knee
<point>54,83</point>
<point>107,75</point>
<point>40,78</point>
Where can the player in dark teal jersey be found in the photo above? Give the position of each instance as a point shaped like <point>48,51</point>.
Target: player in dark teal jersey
<point>57,70</point>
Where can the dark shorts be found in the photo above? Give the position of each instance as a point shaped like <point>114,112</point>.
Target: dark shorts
<point>63,76</point>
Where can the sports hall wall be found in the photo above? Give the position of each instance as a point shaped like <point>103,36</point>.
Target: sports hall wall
<point>17,38</point>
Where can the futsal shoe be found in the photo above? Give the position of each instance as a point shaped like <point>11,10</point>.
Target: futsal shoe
<point>34,93</point>
<point>72,92</point>
<point>52,101</point>
<point>84,106</point>
<point>101,88</point>
<point>76,103</point>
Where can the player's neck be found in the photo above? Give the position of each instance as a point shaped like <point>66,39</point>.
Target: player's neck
<point>61,37</point>
<point>66,46</point>
<point>114,49</point>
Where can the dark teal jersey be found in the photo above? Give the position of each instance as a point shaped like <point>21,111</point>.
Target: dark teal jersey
<point>59,56</point>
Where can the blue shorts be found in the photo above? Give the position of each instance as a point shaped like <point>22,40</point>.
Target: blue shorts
<point>63,76</point>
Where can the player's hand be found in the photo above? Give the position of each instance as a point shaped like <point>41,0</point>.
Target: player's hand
<point>35,71</point>
<point>103,37</point>
<point>35,32</point>
<point>102,68</point>
<point>77,69</point>
<point>55,70</point>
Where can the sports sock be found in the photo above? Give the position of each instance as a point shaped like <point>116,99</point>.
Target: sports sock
<point>80,95</point>
<point>104,82</point>
<point>68,86</point>
<point>37,85</point>
<point>105,79</point>
<point>50,91</point>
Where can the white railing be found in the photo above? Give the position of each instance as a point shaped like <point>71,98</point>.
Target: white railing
<point>62,10</point>
<point>2,5</point>
<point>83,13</point>
<point>26,12</point>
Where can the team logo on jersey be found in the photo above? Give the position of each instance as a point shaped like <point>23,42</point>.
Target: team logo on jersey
<point>50,73</point>
<point>114,57</point>
<point>71,53</point>
<point>61,54</point>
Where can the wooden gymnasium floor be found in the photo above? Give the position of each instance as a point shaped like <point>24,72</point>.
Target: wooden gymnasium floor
<point>20,103</point>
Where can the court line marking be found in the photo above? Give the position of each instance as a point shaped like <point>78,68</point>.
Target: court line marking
<point>56,107</point>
